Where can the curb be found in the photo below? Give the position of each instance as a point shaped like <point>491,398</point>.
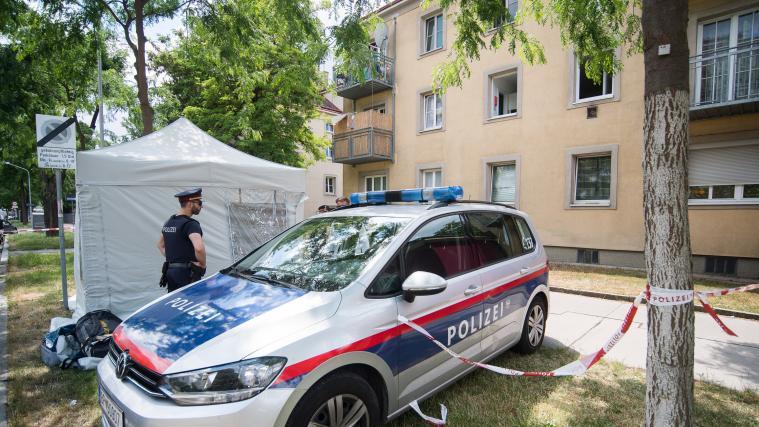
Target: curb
<point>617,297</point>
<point>3,336</point>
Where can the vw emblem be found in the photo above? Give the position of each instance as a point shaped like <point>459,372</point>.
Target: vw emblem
<point>122,364</point>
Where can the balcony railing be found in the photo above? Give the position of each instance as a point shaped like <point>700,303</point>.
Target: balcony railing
<point>362,138</point>
<point>376,77</point>
<point>725,82</point>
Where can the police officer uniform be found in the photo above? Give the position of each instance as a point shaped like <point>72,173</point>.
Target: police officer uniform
<point>178,270</point>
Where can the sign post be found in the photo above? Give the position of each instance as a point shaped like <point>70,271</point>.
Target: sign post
<point>56,149</point>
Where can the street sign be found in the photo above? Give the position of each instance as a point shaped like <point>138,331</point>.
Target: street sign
<point>56,142</point>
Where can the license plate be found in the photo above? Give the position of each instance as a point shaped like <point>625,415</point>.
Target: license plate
<point>113,414</point>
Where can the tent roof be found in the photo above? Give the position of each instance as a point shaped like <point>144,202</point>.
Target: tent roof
<point>183,154</point>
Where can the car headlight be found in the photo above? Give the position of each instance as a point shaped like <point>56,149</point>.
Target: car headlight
<point>222,384</point>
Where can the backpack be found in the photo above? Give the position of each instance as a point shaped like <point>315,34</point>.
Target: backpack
<point>87,338</point>
<point>93,331</point>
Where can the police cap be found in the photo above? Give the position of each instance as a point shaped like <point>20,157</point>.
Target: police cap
<point>192,194</point>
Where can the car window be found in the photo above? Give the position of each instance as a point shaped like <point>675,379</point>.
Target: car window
<point>389,280</point>
<point>322,254</point>
<point>527,239</point>
<point>441,247</point>
<point>515,239</point>
<point>490,239</point>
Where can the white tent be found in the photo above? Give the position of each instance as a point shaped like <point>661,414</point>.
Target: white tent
<point>125,194</point>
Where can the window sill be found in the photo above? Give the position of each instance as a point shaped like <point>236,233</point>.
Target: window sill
<point>595,205</point>
<point>432,130</point>
<point>502,118</point>
<point>430,53</point>
<point>594,101</point>
<point>727,202</point>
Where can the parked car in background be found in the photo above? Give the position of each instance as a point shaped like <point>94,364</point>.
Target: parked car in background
<point>304,331</point>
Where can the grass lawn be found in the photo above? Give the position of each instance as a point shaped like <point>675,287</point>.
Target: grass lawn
<point>630,283</point>
<point>38,395</point>
<point>37,240</point>
<point>609,394</point>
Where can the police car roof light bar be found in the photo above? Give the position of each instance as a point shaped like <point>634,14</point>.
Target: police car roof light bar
<point>436,194</point>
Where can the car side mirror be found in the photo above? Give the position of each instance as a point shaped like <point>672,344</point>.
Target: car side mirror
<point>422,283</point>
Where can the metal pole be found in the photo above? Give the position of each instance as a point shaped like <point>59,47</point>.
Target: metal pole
<point>59,192</point>
<point>100,96</point>
<point>29,211</point>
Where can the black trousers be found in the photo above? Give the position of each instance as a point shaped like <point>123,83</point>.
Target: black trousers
<point>178,277</point>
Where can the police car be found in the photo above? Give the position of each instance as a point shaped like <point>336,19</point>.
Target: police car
<point>305,329</point>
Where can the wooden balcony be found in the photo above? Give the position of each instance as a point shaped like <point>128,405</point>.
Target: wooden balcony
<point>363,138</point>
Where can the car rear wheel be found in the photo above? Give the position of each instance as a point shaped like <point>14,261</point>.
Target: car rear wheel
<point>340,400</point>
<point>534,327</point>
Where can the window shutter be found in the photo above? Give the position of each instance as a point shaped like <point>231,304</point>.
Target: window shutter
<point>728,165</point>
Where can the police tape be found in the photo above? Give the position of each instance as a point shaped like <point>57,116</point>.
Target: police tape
<point>654,296</point>
<point>38,230</point>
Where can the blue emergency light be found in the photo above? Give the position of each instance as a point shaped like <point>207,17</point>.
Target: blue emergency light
<point>436,194</point>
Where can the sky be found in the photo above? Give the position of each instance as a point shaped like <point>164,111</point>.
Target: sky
<point>166,28</point>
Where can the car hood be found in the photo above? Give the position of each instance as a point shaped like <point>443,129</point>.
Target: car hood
<point>218,320</point>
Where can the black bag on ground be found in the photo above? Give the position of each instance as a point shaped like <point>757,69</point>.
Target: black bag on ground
<point>93,331</point>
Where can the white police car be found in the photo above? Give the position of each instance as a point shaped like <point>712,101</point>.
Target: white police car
<point>305,330</point>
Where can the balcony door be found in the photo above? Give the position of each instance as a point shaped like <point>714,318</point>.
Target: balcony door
<point>727,65</point>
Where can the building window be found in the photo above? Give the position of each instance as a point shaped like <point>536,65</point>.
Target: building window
<point>375,183</point>
<point>378,108</point>
<point>329,185</point>
<point>329,128</point>
<point>503,94</point>
<point>728,63</point>
<point>725,175</point>
<point>720,265</point>
<point>513,7</point>
<point>591,179</point>
<point>328,153</point>
<point>432,111</point>
<point>432,36</point>
<point>588,90</point>
<point>587,256</point>
<point>503,186</point>
<point>432,178</point>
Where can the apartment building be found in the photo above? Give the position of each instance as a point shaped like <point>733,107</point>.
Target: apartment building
<point>557,145</point>
<point>324,178</point>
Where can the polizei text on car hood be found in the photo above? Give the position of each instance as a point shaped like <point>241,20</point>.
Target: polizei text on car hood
<point>218,320</point>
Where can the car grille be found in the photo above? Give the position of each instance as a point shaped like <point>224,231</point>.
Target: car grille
<point>142,377</point>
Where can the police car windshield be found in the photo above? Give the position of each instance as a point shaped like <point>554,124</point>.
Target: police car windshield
<point>322,254</point>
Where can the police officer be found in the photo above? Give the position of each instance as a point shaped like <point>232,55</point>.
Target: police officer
<point>181,243</point>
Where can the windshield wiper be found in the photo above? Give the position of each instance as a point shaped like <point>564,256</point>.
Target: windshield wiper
<point>261,277</point>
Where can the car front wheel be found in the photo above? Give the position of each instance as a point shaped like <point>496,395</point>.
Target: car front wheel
<point>340,400</point>
<point>534,327</point>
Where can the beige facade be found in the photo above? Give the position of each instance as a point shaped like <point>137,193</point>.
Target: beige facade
<point>318,190</point>
<point>548,136</point>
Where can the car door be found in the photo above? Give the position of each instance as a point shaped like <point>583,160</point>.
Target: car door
<point>440,246</point>
<point>506,276</point>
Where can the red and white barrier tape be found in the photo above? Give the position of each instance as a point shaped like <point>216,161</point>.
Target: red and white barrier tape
<point>655,296</point>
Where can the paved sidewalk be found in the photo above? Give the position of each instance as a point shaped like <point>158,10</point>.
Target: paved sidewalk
<point>585,323</point>
<point>43,251</point>
<point>3,336</point>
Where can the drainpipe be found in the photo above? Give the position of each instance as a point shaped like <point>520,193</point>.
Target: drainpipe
<point>395,37</point>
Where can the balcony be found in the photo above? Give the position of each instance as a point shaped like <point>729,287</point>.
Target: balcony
<point>363,138</point>
<point>725,82</point>
<point>377,76</point>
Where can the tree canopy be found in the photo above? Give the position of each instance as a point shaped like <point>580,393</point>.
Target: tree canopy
<point>249,76</point>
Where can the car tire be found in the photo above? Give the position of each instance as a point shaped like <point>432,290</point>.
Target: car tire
<point>533,330</point>
<point>321,404</point>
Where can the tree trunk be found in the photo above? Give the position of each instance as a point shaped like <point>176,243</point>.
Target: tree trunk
<point>49,200</point>
<point>23,210</point>
<point>669,362</point>
<point>140,65</point>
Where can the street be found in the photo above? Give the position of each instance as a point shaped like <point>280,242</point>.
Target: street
<point>585,323</point>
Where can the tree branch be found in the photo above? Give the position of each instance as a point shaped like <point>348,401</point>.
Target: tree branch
<point>113,13</point>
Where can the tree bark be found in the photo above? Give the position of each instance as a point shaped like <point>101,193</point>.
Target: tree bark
<point>49,200</point>
<point>140,65</point>
<point>669,363</point>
